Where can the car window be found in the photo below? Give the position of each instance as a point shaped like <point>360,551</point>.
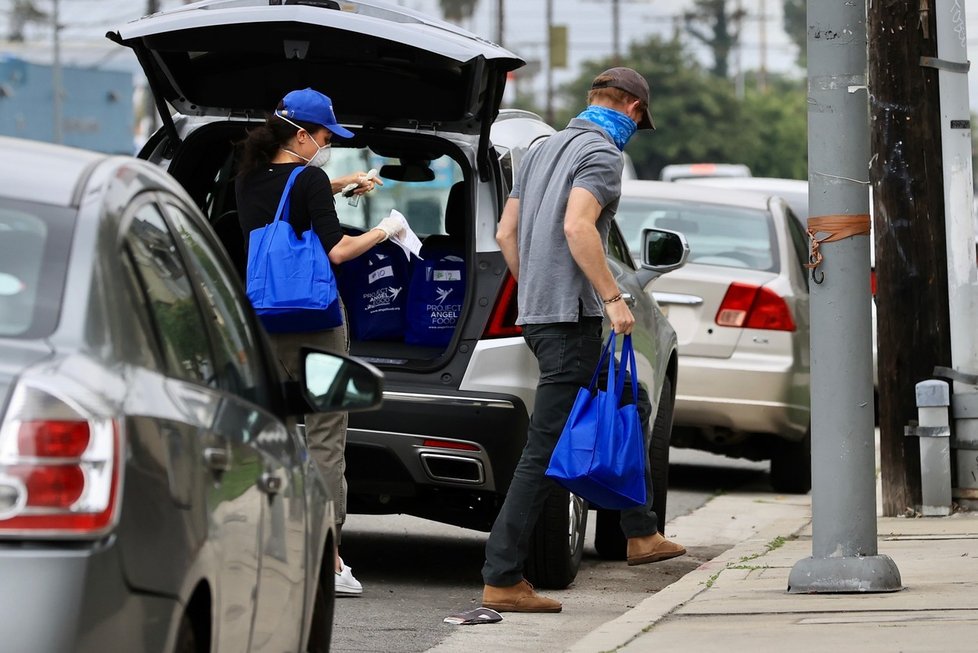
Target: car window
<point>236,351</point>
<point>163,278</point>
<point>420,191</point>
<point>618,249</point>
<point>34,244</point>
<point>725,236</point>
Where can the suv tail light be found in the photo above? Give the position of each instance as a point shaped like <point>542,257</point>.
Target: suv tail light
<point>502,320</point>
<point>59,468</point>
<point>754,307</point>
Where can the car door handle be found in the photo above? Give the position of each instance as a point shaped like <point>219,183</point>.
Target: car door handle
<point>270,484</point>
<point>218,459</point>
<point>629,298</point>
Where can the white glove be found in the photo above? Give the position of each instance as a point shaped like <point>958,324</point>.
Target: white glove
<point>391,226</point>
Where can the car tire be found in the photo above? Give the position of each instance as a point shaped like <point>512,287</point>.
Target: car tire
<point>791,466</point>
<point>321,628</point>
<point>557,542</point>
<point>186,637</point>
<point>609,541</point>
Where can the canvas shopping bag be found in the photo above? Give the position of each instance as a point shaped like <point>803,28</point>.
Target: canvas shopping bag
<point>601,455</point>
<point>289,278</point>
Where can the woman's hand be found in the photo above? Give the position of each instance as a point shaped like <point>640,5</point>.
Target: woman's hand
<point>364,183</point>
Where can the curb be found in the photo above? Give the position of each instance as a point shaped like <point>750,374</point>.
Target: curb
<point>619,632</point>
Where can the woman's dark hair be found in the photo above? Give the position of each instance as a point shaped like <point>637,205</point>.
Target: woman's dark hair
<point>261,143</point>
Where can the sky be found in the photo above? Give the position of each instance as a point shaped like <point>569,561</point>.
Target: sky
<point>589,24</point>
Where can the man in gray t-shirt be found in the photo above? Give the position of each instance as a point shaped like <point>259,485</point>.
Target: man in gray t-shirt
<point>553,234</point>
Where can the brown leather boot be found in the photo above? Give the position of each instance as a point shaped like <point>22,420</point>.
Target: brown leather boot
<point>652,548</point>
<point>517,598</point>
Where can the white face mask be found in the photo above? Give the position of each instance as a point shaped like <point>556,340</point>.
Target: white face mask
<point>321,157</point>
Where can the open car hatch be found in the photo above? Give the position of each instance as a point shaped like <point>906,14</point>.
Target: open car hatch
<point>383,66</point>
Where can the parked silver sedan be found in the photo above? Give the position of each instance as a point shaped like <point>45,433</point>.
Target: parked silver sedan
<point>795,193</point>
<point>152,497</point>
<point>740,310</point>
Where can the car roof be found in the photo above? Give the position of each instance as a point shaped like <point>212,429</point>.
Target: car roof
<point>794,191</point>
<point>670,191</point>
<point>43,172</point>
<point>677,171</point>
<point>771,184</point>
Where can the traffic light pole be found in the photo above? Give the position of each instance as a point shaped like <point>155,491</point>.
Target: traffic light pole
<point>844,538</point>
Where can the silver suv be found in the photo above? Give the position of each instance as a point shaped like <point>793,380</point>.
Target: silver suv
<point>422,97</point>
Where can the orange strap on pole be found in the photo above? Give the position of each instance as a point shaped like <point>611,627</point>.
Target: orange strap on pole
<point>837,227</point>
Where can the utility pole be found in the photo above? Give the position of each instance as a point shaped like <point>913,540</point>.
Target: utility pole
<point>500,22</point>
<point>762,30</point>
<point>616,32</point>
<point>962,280</point>
<point>739,21</point>
<point>550,66</point>
<point>909,232</point>
<point>844,539</point>
<point>57,79</point>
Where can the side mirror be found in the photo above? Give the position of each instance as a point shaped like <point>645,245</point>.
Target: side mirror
<point>663,251</point>
<point>332,382</point>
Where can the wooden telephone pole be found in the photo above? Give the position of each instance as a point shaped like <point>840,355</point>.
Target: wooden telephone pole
<point>908,201</point>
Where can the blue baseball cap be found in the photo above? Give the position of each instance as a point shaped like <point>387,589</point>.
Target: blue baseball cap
<point>312,106</point>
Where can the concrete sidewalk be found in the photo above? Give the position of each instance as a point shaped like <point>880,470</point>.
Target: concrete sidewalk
<point>738,601</point>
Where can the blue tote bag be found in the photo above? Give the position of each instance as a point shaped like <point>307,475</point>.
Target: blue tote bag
<point>289,279</point>
<point>600,455</point>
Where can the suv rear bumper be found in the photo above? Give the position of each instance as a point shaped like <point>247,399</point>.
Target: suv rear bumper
<point>451,457</point>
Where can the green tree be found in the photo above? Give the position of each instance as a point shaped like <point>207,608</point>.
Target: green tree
<point>796,27</point>
<point>717,27</point>
<point>699,117</point>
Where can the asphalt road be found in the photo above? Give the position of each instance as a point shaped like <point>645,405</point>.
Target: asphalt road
<point>416,572</point>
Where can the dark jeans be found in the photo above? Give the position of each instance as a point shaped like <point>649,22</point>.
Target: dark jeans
<point>567,353</point>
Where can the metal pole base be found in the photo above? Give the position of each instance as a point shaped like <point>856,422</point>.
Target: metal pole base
<point>844,575</point>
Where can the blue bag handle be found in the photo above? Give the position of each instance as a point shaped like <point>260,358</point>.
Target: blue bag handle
<point>627,361</point>
<point>284,204</point>
<point>609,345</point>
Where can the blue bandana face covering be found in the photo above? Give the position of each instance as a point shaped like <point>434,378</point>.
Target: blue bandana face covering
<point>619,126</point>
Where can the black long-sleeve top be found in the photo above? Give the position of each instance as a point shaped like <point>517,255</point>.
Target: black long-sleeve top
<point>312,203</point>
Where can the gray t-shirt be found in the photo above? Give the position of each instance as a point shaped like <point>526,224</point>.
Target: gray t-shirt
<point>552,287</point>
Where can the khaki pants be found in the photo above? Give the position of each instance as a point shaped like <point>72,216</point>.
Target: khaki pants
<point>325,432</point>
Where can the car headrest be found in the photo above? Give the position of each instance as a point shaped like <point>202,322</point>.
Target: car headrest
<point>455,210</point>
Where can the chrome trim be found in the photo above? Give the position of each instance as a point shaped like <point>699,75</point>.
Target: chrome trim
<point>427,455</point>
<point>416,397</point>
<point>677,298</point>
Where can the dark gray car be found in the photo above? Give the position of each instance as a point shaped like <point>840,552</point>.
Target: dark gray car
<point>152,497</point>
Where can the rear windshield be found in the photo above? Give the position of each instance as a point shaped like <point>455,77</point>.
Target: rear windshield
<point>718,235</point>
<point>34,244</point>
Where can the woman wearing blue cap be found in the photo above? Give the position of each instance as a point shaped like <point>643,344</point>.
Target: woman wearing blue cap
<point>298,134</point>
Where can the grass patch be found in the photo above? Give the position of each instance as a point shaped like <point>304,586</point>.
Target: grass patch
<point>776,543</point>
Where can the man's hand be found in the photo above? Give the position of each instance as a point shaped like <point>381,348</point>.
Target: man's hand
<point>622,320</point>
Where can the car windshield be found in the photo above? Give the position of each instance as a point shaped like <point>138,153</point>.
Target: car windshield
<point>718,235</point>
<point>34,244</point>
<point>418,189</point>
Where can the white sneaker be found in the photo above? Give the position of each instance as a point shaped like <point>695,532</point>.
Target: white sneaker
<point>346,584</point>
